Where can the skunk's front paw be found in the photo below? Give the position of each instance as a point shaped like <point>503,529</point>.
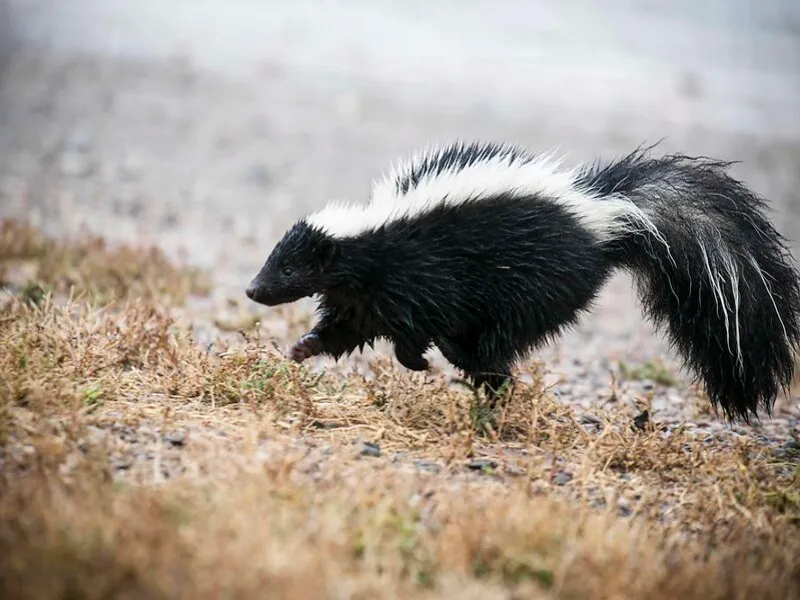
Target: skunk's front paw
<point>307,346</point>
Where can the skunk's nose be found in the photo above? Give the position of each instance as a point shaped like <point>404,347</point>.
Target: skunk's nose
<point>251,291</point>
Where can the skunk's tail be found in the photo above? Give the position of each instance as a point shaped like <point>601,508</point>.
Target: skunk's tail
<point>711,268</point>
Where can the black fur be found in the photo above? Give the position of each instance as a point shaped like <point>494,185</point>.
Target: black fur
<point>488,281</point>
<point>457,156</point>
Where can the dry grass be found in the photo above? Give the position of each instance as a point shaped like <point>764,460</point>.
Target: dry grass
<point>90,269</point>
<point>136,463</point>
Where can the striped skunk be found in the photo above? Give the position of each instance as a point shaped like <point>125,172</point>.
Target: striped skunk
<point>487,251</point>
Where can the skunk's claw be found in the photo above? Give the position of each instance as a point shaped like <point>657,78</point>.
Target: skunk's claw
<point>307,346</point>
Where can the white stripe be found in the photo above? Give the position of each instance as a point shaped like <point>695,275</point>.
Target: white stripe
<point>606,217</point>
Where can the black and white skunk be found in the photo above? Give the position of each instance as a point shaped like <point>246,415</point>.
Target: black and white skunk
<point>487,252</point>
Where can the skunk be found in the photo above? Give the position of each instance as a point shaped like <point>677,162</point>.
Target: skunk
<point>487,251</point>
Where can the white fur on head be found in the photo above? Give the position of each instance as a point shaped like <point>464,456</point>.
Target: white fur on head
<point>500,170</point>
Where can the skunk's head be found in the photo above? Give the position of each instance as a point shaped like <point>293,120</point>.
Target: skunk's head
<point>297,267</point>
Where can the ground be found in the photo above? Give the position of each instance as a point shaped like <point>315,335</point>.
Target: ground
<point>138,461</point>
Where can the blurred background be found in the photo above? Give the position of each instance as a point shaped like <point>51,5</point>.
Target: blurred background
<point>209,125</point>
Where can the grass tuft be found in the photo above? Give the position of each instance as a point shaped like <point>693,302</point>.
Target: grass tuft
<point>91,268</point>
<point>653,371</point>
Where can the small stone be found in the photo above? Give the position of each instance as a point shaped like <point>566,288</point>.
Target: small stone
<point>481,464</point>
<point>790,449</point>
<point>121,464</point>
<point>641,419</point>
<point>427,465</point>
<point>370,449</point>
<point>562,478</point>
<point>128,434</point>
<point>590,419</point>
<point>176,438</point>
<point>73,164</point>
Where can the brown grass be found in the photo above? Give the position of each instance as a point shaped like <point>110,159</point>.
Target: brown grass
<point>137,464</point>
<point>89,268</point>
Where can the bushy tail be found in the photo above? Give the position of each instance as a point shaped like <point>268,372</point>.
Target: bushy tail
<point>712,269</point>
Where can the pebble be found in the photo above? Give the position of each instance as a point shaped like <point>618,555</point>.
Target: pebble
<point>482,463</point>
<point>590,419</point>
<point>176,438</point>
<point>427,465</point>
<point>788,450</point>
<point>562,478</point>
<point>128,434</point>
<point>642,419</point>
<point>121,464</point>
<point>370,449</point>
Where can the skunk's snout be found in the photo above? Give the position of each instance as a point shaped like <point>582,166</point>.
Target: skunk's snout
<point>267,293</point>
<point>272,289</point>
<point>257,292</point>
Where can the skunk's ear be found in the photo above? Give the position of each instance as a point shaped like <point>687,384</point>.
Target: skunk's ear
<point>327,251</point>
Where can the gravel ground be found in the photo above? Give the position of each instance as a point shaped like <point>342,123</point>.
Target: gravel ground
<point>213,149</point>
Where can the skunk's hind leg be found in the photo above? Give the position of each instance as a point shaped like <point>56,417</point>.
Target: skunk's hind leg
<point>491,380</point>
<point>489,372</point>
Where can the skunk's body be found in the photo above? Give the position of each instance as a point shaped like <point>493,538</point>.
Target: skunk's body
<point>488,252</point>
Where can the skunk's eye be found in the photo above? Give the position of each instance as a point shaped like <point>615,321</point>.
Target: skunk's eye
<point>288,271</point>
